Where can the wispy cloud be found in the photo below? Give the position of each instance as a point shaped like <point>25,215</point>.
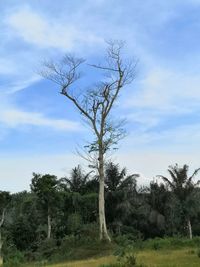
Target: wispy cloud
<point>152,163</point>
<point>19,167</point>
<point>40,31</point>
<point>178,138</point>
<point>20,84</point>
<point>164,95</point>
<point>166,90</point>
<point>14,118</point>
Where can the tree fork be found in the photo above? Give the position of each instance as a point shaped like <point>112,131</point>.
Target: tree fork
<point>95,105</point>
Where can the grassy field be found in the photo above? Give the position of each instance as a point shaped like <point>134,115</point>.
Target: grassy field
<point>82,263</point>
<point>169,258</point>
<point>186,257</point>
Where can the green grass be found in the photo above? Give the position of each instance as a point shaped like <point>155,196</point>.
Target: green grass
<point>169,258</point>
<point>93,262</point>
<point>167,252</point>
<point>186,257</point>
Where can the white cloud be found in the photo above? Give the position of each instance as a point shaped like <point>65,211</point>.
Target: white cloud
<point>144,119</point>
<point>178,138</point>
<point>15,86</point>
<point>163,94</point>
<point>40,31</point>
<point>16,170</point>
<point>14,118</point>
<point>152,163</point>
<point>165,89</point>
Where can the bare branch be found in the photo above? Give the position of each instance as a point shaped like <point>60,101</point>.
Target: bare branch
<point>102,67</point>
<point>95,105</point>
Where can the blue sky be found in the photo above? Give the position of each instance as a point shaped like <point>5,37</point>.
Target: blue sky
<point>39,129</point>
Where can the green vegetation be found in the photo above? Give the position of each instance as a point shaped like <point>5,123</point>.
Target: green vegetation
<point>182,257</point>
<point>169,258</point>
<point>57,221</point>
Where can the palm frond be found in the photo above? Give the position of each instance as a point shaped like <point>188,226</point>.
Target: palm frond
<point>167,181</point>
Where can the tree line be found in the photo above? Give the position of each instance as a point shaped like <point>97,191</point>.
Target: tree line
<point>55,208</point>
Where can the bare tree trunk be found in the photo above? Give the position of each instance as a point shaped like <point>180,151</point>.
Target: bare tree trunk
<point>49,224</point>
<point>1,241</point>
<point>102,219</point>
<point>189,228</point>
<point>1,244</point>
<point>96,105</point>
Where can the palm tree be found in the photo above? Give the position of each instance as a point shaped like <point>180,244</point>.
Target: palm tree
<point>78,180</point>
<point>114,176</point>
<point>183,187</point>
<point>120,191</point>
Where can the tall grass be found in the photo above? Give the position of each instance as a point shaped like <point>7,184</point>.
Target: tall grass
<point>185,257</point>
<point>168,252</point>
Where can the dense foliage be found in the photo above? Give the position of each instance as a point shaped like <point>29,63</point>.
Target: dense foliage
<point>58,215</point>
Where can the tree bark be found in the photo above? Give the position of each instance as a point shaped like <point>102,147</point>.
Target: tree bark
<point>102,220</point>
<point>189,228</point>
<point>1,241</point>
<point>1,244</point>
<point>49,224</point>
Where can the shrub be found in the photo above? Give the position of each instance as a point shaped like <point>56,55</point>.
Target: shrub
<point>89,232</point>
<point>16,258</point>
<point>46,248</point>
<point>129,260</point>
<point>198,253</point>
<point>156,246</point>
<point>74,223</point>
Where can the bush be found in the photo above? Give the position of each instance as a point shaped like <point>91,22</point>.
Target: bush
<point>16,258</point>
<point>171,242</point>
<point>124,240</point>
<point>90,232</point>
<point>74,223</point>
<point>129,260</point>
<point>156,245</point>
<point>46,249</point>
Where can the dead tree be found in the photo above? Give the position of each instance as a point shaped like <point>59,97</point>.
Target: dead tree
<point>95,105</point>
<point>4,201</point>
<point>1,241</point>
